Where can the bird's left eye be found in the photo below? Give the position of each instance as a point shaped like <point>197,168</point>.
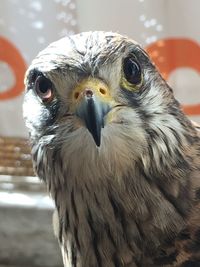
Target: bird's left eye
<point>44,88</point>
<point>132,71</point>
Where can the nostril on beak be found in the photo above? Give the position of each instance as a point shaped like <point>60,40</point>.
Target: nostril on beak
<point>102,91</point>
<point>88,93</point>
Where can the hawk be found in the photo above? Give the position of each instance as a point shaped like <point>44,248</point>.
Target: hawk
<point>118,155</point>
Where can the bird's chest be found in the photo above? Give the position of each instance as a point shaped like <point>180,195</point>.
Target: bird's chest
<point>109,213</point>
<point>108,225</point>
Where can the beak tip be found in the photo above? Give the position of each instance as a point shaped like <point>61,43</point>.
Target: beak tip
<point>97,138</point>
<point>98,144</point>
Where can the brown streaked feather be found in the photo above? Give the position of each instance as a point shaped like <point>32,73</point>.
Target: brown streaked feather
<point>188,241</point>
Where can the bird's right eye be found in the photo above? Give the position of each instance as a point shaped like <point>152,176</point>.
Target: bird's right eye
<point>44,88</point>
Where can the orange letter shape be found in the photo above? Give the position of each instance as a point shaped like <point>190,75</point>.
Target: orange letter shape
<point>169,54</point>
<point>10,55</point>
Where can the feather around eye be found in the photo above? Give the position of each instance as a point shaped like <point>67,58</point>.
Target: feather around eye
<point>44,88</point>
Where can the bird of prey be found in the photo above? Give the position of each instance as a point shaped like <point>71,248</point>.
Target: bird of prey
<point>118,155</point>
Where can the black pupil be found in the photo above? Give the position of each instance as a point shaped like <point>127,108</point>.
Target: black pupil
<point>43,85</point>
<point>132,71</point>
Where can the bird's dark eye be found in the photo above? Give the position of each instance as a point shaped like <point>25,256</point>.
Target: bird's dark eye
<point>132,71</point>
<point>44,88</point>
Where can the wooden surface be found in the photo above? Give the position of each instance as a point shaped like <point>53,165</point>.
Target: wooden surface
<point>15,157</point>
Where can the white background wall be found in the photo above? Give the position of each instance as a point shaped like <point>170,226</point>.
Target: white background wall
<point>177,18</point>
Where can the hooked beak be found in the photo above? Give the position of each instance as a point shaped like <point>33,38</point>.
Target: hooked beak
<point>93,102</point>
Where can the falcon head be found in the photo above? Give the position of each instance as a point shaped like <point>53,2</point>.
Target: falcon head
<point>100,93</point>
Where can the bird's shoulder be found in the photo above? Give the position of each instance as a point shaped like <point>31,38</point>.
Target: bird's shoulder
<point>188,240</point>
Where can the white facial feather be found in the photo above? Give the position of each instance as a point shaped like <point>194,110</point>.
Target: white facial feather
<point>33,111</point>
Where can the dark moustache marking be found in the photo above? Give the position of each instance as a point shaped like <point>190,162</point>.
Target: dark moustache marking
<point>166,259</point>
<point>190,263</point>
<point>74,255</point>
<point>197,193</point>
<point>95,239</point>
